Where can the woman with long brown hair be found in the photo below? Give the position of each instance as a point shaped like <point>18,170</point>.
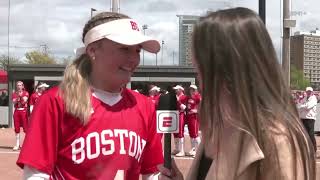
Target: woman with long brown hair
<point>250,125</point>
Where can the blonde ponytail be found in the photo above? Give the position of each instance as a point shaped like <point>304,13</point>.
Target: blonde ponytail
<point>75,88</point>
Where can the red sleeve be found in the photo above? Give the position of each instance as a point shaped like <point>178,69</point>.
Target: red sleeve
<point>157,100</point>
<point>181,100</point>
<point>153,154</point>
<point>32,98</point>
<point>184,99</point>
<point>41,142</point>
<point>198,98</point>
<point>14,98</point>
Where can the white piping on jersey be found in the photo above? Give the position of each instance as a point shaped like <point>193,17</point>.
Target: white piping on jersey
<point>107,97</point>
<point>30,173</point>
<point>60,173</point>
<point>54,177</point>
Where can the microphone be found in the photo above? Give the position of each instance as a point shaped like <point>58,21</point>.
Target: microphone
<point>167,121</point>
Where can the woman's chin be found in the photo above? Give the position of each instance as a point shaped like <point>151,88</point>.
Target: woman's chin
<point>124,81</point>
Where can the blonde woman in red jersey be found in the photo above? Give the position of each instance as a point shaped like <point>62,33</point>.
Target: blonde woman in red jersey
<point>91,127</point>
<point>20,115</point>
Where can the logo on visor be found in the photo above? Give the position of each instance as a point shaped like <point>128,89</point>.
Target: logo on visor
<point>134,26</point>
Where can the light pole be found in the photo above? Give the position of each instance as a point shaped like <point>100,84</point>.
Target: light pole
<point>287,25</point>
<point>162,43</point>
<point>91,11</point>
<point>8,36</point>
<point>173,58</point>
<point>262,10</point>
<point>115,5</point>
<point>9,84</point>
<point>144,27</point>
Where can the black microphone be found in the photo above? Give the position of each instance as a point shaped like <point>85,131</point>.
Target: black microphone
<point>167,121</point>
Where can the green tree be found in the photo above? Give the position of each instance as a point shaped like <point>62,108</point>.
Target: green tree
<point>297,79</point>
<point>4,61</point>
<point>37,57</point>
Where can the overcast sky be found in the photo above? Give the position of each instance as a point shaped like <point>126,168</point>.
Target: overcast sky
<point>59,23</point>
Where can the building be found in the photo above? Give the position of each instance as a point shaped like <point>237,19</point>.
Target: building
<point>52,74</point>
<point>186,23</point>
<point>305,54</point>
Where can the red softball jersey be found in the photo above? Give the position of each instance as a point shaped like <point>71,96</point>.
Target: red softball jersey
<point>34,98</point>
<point>19,98</point>
<point>181,99</point>
<point>118,140</point>
<point>193,102</point>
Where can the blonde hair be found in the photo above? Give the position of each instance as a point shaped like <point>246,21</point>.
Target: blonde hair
<point>75,86</point>
<point>22,84</point>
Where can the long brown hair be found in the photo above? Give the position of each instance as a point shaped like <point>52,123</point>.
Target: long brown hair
<point>234,53</point>
<point>75,86</point>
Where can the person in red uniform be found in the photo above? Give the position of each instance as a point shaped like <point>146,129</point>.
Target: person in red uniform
<point>91,126</point>
<point>181,106</point>
<point>20,115</point>
<point>36,95</point>
<point>192,118</point>
<point>154,94</point>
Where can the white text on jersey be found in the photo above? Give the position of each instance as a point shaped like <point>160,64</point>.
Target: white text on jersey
<point>81,147</point>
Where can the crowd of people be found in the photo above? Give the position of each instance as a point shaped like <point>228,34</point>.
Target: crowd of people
<point>299,95</point>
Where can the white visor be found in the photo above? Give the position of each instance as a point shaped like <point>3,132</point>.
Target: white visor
<point>193,87</point>
<point>122,31</point>
<point>309,89</point>
<point>178,87</point>
<point>43,85</point>
<point>155,88</point>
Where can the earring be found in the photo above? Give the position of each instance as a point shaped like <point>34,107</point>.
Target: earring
<point>93,58</point>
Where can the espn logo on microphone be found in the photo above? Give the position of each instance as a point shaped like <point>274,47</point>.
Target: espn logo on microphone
<point>167,121</point>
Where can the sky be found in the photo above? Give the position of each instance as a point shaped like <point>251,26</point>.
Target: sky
<point>58,24</point>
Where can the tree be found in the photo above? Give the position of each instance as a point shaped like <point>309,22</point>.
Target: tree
<point>297,79</point>
<point>37,57</point>
<point>4,61</point>
<point>66,60</point>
